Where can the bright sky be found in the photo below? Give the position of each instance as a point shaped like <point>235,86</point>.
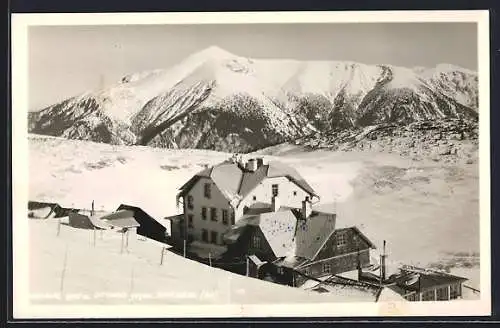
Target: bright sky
<point>67,60</point>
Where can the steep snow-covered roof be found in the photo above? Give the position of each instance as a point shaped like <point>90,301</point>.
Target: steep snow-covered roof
<point>312,233</point>
<point>286,232</point>
<point>235,182</point>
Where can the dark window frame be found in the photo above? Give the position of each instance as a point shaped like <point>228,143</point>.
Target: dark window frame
<point>204,235</point>
<point>225,216</point>
<point>214,235</point>
<point>275,190</point>
<point>190,221</point>
<point>213,214</point>
<point>190,202</point>
<point>203,213</point>
<point>325,266</point>
<point>207,190</point>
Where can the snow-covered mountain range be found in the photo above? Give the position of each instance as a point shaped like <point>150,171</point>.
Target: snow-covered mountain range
<point>217,100</point>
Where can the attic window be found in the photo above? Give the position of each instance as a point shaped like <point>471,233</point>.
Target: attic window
<point>207,190</point>
<point>254,197</point>
<point>295,192</point>
<point>341,240</point>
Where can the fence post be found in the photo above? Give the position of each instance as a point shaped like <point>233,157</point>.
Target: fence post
<point>248,266</point>
<point>63,272</point>
<point>184,247</point>
<point>161,259</point>
<point>121,246</point>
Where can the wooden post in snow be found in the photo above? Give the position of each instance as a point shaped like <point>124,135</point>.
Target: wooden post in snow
<point>94,236</point>
<point>248,266</point>
<point>126,241</point>
<point>184,247</point>
<point>210,258</point>
<point>63,272</point>
<point>58,226</point>
<point>162,252</point>
<point>121,247</point>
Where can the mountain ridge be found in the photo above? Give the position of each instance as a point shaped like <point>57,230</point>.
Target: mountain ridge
<point>216,100</point>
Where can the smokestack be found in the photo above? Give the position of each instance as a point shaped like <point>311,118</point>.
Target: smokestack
<point>260,162</point>
<point>275,204</point>
<point>306,208</point>
<point>251,165</point>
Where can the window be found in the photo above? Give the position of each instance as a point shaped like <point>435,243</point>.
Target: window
<point>327,268</point>
<point>213,214</point>
<point>213,237</point>
<point>233,218</point>
<point>412,297</point>
<point>455,291</point>
<point>275,190</point>
<point>254,197</point>
<point>225,218</point>
<point>341,240</point>
<point>190,221</point>
<point>207,191</point>
<point>204,235</point>
<point>256,241</point>
<point>295,192</point>
<point>308,271</point>
<point>190,202</point>
<point>280,270</point>
<point>442,293</point>
<point>428,295</point>
<point>204,213</point>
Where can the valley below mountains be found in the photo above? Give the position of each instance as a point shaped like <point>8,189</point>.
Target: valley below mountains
<point>220,101</point>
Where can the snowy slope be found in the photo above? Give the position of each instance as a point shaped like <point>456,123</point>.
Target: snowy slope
<point>102,275</point>
<point>192,104</point>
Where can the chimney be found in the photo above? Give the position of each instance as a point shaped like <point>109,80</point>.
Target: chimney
<point>306,208</point>
<point>251,165</point>
<point>275,204</point>
<point>260,162</point>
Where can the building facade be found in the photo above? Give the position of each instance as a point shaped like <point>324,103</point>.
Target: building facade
<point>215,199</point>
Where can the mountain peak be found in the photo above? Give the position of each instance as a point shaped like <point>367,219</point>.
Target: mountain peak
<point>215,52</point>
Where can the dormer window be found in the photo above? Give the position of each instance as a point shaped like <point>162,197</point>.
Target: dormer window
<point>275,190</point>
<point>207,190</point>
